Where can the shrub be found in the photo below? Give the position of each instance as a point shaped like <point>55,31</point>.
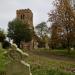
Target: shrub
<point>6,44</point>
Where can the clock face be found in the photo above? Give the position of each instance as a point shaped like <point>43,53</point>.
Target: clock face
<point>15,55</point>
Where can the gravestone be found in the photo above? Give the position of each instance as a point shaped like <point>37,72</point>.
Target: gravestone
<point>16,65</point>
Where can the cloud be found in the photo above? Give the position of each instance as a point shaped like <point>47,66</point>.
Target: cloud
<point>40,9</point>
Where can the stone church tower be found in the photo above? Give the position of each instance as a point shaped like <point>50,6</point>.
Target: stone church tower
<point>26,16</point>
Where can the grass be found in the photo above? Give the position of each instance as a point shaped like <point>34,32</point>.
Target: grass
<point>62,52</point>
<point>50,72</point>
<point>41,65</point>
<point>3,59</point>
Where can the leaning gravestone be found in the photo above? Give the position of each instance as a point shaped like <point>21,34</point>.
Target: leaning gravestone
<point>16,65</point>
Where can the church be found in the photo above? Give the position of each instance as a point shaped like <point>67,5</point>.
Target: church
<point>26,16</point>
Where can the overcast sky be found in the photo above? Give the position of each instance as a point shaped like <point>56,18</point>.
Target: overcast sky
<point>40,9</point>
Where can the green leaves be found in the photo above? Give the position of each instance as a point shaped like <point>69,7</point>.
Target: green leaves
<point>19,31</point>
<point>2,36</point>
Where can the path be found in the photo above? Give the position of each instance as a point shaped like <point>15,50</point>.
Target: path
<point>51,56</point>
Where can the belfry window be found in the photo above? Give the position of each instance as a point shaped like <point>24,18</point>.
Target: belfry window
<point>22,16</point>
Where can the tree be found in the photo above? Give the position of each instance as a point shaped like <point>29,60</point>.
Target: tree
<point>2,35</point>
<point>41,29</point>
<point>64,17</point>
<point>19,32</point>
<point>42,32</point>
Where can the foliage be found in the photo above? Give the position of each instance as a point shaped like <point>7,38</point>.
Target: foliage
<point>2,35</point>
<point>19,31</point>
<point>41,29</point>
<point>50,72</point>
<point>63,28</point>
<point>41,43</point>
<point>3,59</point>
<point>42,32</point>
<point>6,44</point>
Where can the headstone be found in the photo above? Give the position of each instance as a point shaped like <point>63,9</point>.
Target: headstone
<point>16,65</point>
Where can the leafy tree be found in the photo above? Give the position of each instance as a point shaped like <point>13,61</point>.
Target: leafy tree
<point>19,32</point>
<point>41,29</point>
<point>42,32</point>
<point>2,35</point>
<point>6,44</point>
<point>63,16</point>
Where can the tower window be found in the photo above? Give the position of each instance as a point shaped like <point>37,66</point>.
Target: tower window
<point>22,16</point>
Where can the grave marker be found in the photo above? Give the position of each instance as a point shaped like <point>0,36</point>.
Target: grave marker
<point>16,65</point>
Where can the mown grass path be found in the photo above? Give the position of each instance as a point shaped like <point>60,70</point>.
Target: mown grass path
<point>56,55</point>
<point>46,63</point>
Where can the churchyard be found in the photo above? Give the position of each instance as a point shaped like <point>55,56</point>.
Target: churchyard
<point>37,42</point>
<point>42,62</point>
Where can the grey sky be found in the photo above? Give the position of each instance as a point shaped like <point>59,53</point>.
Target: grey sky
<point>40,9</point>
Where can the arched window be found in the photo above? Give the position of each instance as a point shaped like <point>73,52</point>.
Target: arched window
<point>21,16</point>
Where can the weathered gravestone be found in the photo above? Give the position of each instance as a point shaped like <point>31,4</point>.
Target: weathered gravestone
<point>16,65</point>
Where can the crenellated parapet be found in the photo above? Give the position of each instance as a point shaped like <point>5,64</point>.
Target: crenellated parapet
<point>24,11</point>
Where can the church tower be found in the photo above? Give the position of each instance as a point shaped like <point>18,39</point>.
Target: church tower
<point>26,16</point>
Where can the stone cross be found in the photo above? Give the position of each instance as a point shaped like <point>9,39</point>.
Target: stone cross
<point>16,65</point>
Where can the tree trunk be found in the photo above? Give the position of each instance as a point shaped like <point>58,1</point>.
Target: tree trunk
<point>68,46</point>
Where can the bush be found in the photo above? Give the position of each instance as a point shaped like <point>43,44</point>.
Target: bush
<point>2,36</point>
<point>6,44</point>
